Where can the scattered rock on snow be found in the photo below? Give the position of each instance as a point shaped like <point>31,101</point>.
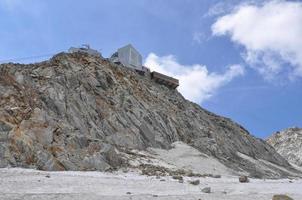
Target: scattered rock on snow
<point>177,177</point>
<point>195,182</point>
<point>206,190</point>
<point>243,179</point>
<point>281,197</point>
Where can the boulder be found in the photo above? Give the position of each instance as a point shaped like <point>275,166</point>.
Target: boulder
<point>243,179</point>
<point>282,197</point>
<point>216,176</point>
<point>177,177</point>
<point>195,182</point>
<point>206,190</point>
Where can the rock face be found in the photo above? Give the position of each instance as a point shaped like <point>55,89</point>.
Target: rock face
<point>288,143</point>
<point>80,112</point>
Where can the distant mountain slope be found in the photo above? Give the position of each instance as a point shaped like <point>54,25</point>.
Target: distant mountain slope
<point>288,143</point>
<point>79,112</point>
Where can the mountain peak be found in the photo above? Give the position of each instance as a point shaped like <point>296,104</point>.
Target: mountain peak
<point>78,111</point>
<point>289,144</point>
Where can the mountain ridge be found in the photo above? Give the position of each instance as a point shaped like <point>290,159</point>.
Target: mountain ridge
<point>288,143</point>
<point>80,112</point>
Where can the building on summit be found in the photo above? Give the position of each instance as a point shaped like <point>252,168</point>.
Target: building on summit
<point>85,49</point>
<point>129,57</point>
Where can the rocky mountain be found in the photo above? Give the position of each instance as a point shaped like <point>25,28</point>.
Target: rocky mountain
<point>288,143</point>
<point>80,112</point>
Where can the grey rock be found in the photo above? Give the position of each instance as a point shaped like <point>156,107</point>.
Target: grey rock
<point>4,127</point>
<point>3,161</point>
<point>3,136</point>
<point>177,177</point>
<point>68,165</point>
<point>81,112</point>
<point>95,162</point>
<point>113,157</point>
<point>282,197</point>
<point>195,182</point>
<point>288,144</point>
<point>47,162</point>
<point>243,179</point>
<point>206,190</point>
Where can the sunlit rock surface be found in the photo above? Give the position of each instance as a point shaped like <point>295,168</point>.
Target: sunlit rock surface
<point>80,112</point>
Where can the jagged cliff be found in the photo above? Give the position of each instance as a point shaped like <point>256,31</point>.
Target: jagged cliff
<point>288,143</point>
<point>80,112</point>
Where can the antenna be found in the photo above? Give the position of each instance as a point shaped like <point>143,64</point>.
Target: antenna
<point>87,46</point>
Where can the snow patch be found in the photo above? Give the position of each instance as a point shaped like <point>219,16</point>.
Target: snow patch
<point>32,184</point>
<point>183,156</point>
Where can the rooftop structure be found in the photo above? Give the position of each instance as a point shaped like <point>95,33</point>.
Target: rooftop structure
<point>129,57</point>
<point>84,49</point>
<point>165,80</point>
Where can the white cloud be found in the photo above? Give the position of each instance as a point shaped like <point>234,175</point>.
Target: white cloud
<point>199,37</point>
<point>196,82</point>
<point>224,7</point>
<point>219,8</point>
<point>271,34</point>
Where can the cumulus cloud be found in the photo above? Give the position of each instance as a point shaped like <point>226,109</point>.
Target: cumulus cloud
<point>270,33</point>
<point>196,82</point>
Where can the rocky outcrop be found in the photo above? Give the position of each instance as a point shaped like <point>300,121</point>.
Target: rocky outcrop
<point>288,143</point>
<point>80,112</point>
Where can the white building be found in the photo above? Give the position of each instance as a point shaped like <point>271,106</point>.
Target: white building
<point>129,57</point>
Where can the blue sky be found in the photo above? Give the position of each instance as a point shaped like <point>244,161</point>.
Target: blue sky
<point>239,59</point>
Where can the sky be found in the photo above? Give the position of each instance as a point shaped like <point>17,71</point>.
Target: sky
<point>238,58</point>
